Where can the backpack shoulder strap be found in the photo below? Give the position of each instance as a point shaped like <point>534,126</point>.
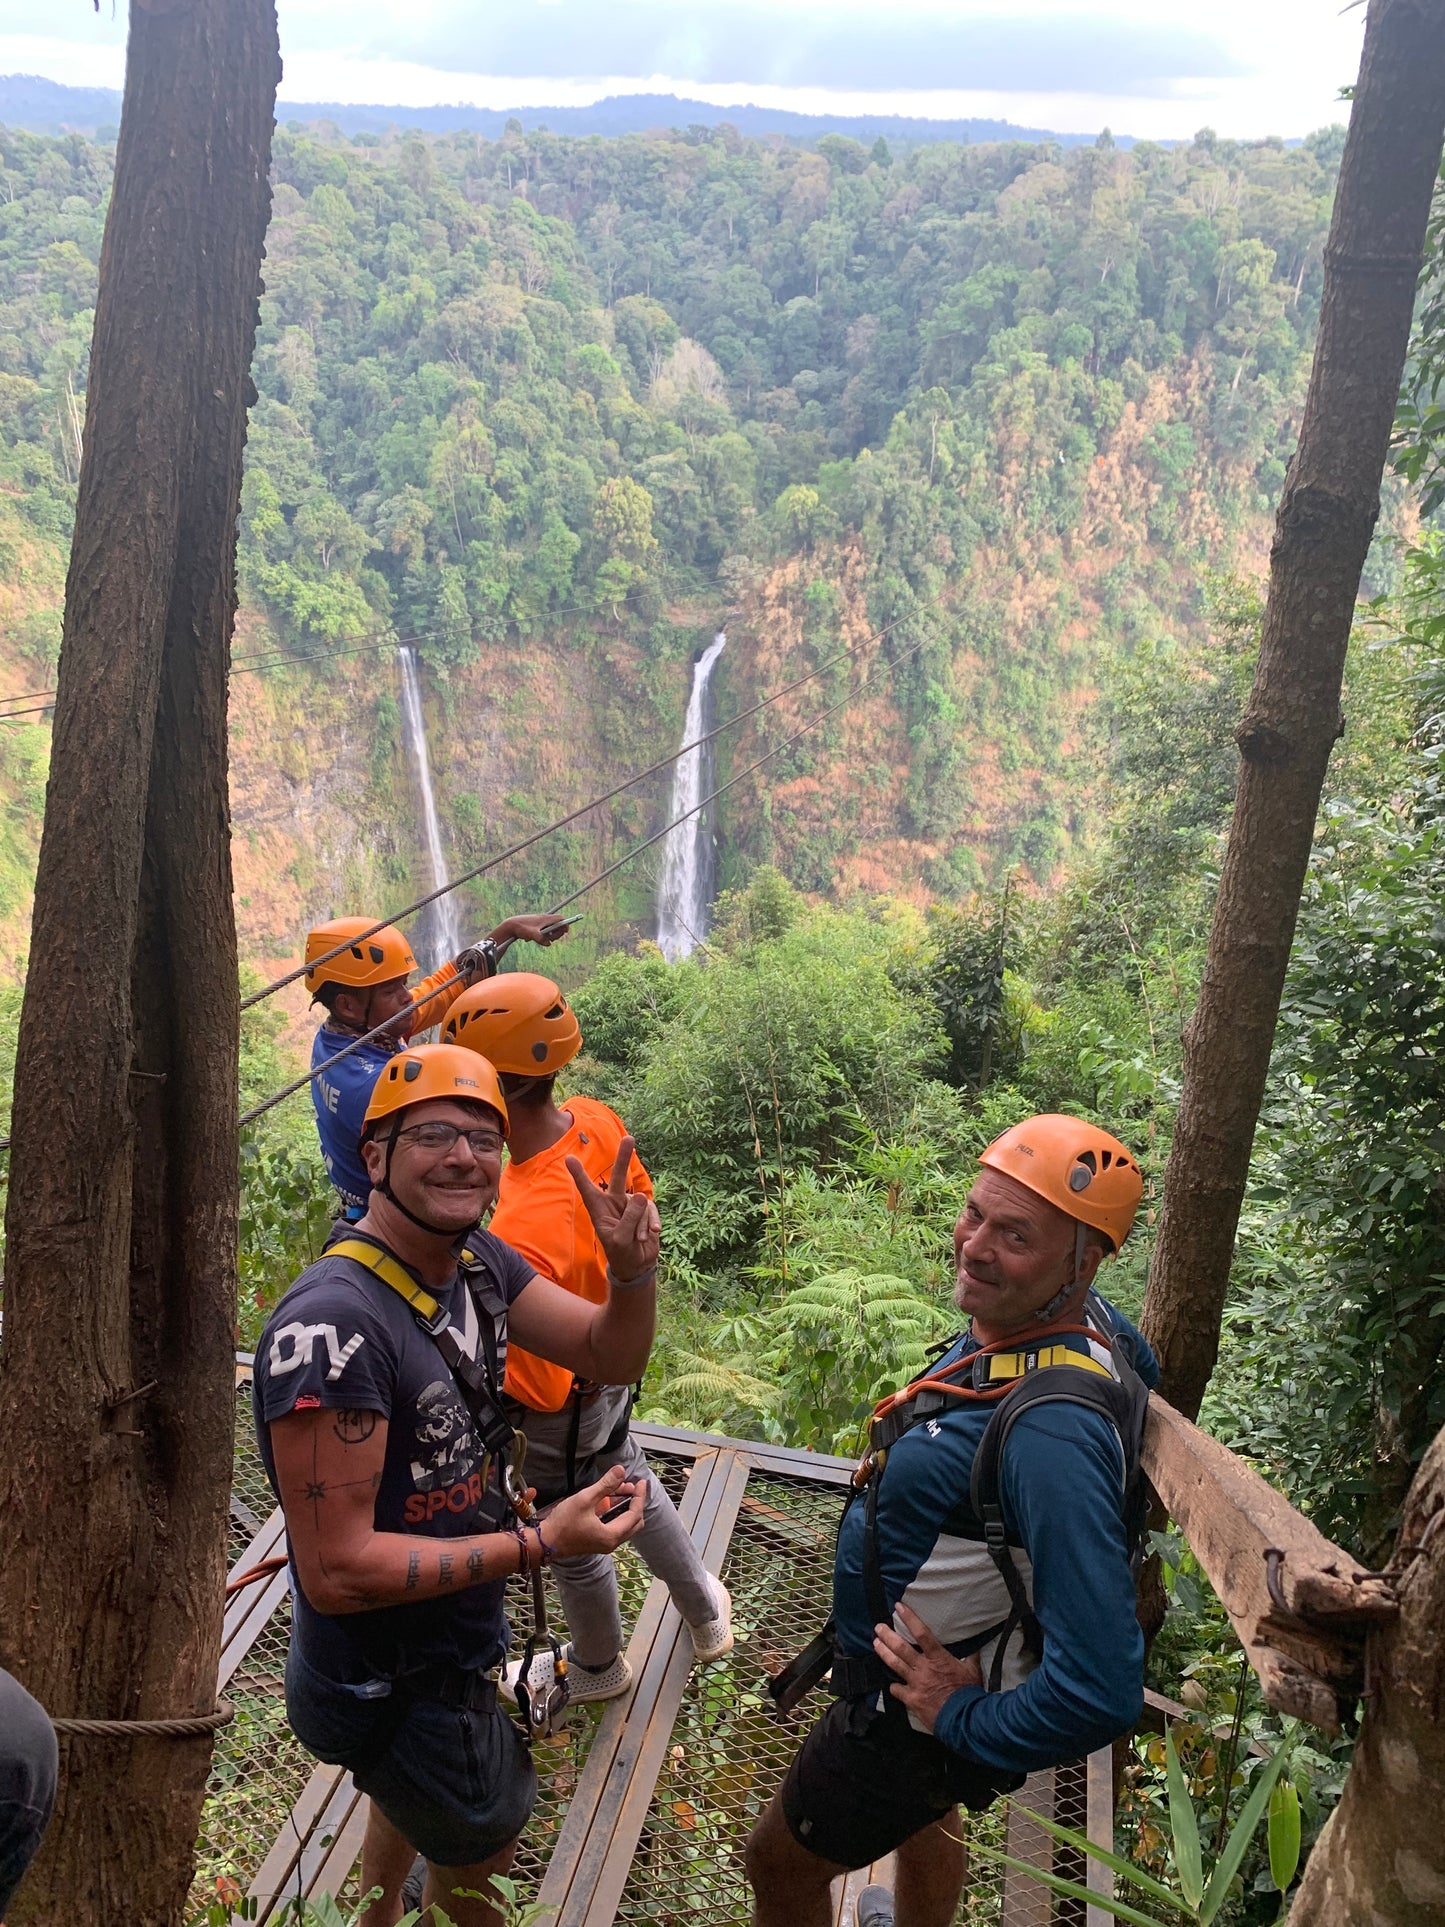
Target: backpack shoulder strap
<point>1051,1385</point>
<point>490,1304</point>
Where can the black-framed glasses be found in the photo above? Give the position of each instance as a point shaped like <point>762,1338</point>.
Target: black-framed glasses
<point>439,1137</point>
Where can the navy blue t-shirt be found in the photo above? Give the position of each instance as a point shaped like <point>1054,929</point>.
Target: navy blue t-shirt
<point>342,1339</point>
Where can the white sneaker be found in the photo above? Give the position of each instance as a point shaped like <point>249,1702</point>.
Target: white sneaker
<point>714,1636</point>
<point>583,1682</point>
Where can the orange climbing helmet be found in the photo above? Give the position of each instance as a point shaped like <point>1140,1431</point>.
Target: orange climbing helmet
<point>431,1071</point>
<point>372,956</point>
<point>521,1021</point>
<point>1077,1167</point>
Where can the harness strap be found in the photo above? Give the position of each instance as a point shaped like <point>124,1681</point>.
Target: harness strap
<point>475,1382</point>
<point>574,1432</point>
<point>872,1566</point>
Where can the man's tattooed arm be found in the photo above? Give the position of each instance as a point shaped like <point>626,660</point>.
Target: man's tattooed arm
<point>328,1467</point>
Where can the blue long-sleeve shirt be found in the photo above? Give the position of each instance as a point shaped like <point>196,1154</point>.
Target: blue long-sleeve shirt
<point>340,1095</point>
<point>1061,1486</point>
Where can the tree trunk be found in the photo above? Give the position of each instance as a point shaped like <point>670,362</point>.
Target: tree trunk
<point>1326,517</point>
<point>1380,1861</point>
<point>116,1377</point>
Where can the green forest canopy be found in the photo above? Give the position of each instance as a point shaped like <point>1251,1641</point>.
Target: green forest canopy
<point>534,389</point>
<point>465,343</point>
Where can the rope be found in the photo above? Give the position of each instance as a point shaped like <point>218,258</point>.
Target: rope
<point>263,1570</point>
<point>299,1083</point>
<point>187,1729</point>
<point>562,822</point>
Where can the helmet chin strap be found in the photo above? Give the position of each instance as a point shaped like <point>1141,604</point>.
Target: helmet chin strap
<point>1046,1313</point>
<point>423,1224</point>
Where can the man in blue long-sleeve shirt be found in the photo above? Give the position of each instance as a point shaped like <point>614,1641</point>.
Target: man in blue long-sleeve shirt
<point>362,985</point>
<point>914,1731</point>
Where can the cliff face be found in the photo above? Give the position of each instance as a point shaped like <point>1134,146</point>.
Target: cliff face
<point>1021,633</point>
<point>326,817</point>
<point>981,419</point>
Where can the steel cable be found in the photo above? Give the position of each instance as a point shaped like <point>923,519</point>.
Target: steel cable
<point>562,822</point>
<point>299,1083</point>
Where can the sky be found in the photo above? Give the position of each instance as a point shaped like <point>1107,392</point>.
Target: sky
<point>1156,69</point>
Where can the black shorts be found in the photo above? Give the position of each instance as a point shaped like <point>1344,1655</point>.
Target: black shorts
<point>865,1781</point>
<point>456,1785</point>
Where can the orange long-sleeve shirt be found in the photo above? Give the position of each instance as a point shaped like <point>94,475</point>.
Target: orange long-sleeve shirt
<point>541,1214</point>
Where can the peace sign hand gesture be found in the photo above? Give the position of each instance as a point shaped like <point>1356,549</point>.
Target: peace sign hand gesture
<point>626,1222</point>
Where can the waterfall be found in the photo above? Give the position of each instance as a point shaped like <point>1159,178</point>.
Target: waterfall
<point>440,923</point>
<point>685,889</point>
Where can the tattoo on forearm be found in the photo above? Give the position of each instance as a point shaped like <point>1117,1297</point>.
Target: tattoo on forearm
<point>354,1428</point>
<point>444,1569</point>
<point>475,1565</point>
<point>413,1570</point>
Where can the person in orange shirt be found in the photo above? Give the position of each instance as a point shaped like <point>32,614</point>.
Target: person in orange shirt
<point>523,1024</point>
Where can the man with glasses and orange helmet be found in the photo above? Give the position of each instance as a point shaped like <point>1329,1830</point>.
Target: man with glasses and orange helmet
<point>983,1593</point>
<point>361,986</point>
<point>378,1387</point>
<point>575,1429</point>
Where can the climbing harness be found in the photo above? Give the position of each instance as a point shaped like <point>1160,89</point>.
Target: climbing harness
<point>1012,1375</point>
<point>506,1447</point>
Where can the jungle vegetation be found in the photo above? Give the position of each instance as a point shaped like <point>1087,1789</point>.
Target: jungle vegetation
<point>534,394</point>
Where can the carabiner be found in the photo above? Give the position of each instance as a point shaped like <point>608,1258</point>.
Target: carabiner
<point>514,1486</point>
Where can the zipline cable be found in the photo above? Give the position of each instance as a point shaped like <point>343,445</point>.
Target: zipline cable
<point>297,1084</point>
<point>723,788</point>
<point>562,822</point>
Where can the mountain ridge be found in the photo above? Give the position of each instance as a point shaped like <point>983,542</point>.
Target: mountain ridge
<point>44,106</point>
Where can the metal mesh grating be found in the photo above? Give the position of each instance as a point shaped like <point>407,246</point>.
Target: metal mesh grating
<point>728,1751</point>
<point>252,1501</point>
<point>257,1769</point>
<point>559,1761</point>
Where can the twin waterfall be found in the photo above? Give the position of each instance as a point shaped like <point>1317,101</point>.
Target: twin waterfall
<point>685,889</point>
<point>440,930</point>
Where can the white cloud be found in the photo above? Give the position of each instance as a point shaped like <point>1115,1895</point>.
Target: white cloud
<point>1290,58</point>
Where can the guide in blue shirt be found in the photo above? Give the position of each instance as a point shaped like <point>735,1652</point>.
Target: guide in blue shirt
<point>363,985</point>
<point>983,1595</point>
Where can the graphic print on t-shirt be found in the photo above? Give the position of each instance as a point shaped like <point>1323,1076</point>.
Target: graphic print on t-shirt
<point>437,1480</point>
<point>448,1450</point>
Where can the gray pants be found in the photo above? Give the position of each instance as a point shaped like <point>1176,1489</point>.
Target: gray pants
<point>588,1584</point>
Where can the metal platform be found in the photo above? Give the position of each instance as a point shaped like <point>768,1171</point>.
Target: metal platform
<point>643,1805</point>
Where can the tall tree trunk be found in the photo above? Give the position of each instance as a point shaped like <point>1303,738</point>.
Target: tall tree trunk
<point>1326,517</point>
<point>116,1378</point>
<point>1380,1861</point>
